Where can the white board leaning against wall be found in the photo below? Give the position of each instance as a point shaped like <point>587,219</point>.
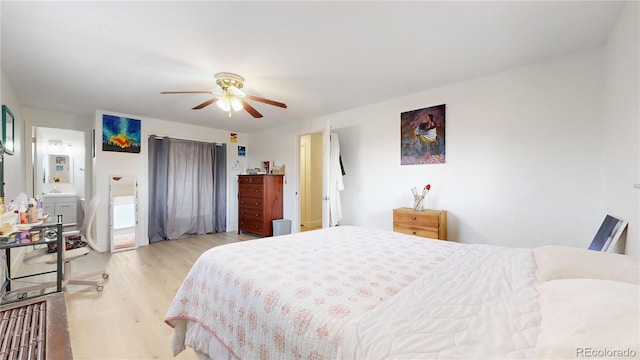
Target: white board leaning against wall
<point>123,219</point>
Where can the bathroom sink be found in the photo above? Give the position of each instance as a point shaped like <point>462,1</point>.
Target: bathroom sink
<point>58,194</point>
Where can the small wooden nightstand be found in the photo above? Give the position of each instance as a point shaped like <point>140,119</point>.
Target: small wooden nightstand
<point>425,223</point>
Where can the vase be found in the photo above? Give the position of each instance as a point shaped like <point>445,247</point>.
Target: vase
<point>417,202</point>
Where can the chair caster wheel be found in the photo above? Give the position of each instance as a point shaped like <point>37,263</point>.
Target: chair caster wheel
<point>99,288</point>
<point>105,276</point>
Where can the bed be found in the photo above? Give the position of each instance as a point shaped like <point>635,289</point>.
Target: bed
<point>359,293</point>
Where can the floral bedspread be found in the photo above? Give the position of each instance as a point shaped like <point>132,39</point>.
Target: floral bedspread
<point>291,296</point>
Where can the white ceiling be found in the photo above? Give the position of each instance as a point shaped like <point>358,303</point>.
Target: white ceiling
<point>317,57</point>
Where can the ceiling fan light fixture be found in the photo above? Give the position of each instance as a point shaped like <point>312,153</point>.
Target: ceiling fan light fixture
<point>237,92</point>
<point>228,102</point>
<point>232,98</point>
<point>225,80</point>
<point>236,104</point>
<point>224,103</point>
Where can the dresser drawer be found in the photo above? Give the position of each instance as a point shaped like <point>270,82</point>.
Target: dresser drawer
<point>248,179</point>
<point>246,201</point>
<point>253,226</point>
<point>250,191</point>
<point>251,213</point>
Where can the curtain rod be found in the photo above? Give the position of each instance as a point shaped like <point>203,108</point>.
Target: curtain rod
<point>198,141</point>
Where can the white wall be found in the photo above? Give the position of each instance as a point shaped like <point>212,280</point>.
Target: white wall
<point>107,164</point>
<point>522,149</point>
<point>14,165</point>
<point>621,142</point>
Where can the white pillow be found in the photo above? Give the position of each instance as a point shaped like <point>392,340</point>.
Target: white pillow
<point>585,318</point>
<point>559,262</point>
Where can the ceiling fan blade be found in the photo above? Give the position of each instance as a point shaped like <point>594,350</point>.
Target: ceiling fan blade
<point>187,92</point>
<point>267,101</point>
<point>205,104</point>
<point>250,109</point>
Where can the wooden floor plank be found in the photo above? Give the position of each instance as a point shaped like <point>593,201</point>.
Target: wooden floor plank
<point>126,319</point>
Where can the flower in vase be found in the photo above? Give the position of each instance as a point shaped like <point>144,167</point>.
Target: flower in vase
<point>418,197</point>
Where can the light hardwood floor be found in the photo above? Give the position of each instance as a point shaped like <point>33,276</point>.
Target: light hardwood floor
<point>126,319</point>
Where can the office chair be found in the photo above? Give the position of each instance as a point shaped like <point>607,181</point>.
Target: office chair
<point>44,256</point>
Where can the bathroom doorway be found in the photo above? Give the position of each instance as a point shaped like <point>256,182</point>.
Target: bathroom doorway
<point>58,165</point>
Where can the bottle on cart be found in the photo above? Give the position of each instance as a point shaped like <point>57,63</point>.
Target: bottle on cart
<point>33,213</point>
<point>40,207</point>
<point>23,214</point>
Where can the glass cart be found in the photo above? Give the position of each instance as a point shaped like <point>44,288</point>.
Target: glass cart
<point>43,234</point>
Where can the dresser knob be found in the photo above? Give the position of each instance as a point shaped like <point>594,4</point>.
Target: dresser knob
<point>415,218</point>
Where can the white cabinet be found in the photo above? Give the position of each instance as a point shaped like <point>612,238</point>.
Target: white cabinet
<point>64,204</point>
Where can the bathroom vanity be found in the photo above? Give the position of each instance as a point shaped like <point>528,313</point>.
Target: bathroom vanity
<point>64,204</point>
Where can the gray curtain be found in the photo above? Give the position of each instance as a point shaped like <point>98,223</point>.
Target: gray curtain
<point>187,188</point>
<point>158,161</point>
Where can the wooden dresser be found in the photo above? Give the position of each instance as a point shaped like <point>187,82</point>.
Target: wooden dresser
<point>259,203</point>
<point>425,223</point>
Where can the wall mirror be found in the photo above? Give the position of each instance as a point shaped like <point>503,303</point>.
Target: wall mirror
<point>123,222</point>
<point>57,169</point>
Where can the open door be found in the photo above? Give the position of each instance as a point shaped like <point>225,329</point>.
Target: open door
<point>123,195</point>
<point>326,176</point>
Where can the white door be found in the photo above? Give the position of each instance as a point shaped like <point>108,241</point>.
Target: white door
<point>326,177</point>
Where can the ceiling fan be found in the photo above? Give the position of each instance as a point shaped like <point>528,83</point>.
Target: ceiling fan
<point>231,97</point>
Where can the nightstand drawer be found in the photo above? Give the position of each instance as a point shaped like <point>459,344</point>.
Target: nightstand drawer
<point>425,223</point>
<point>415,219</point>
<point>416,230</point>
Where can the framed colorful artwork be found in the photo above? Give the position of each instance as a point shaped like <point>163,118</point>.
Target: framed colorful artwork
<point>422,136</point>
<point>120,134</point>
<point>8,123</point>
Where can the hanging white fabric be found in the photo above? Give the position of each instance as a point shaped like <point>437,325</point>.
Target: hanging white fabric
<point>335,181</point>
